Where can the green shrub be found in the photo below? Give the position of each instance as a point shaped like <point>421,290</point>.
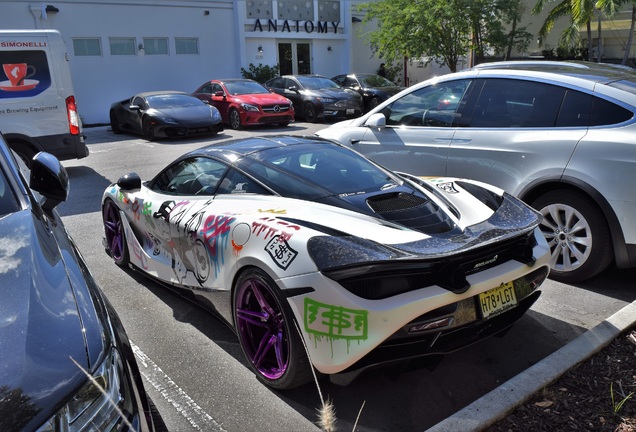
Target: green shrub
<point>260,73</point>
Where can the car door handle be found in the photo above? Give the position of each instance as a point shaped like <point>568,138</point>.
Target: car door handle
<point>354,141</point>
<point>461,140</point>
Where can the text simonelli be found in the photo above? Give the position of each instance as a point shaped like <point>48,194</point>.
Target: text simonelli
<point>297,25</point>
<point>13,44</point>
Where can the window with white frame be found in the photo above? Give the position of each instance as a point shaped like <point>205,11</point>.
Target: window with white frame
<point>122,46</point>
<point>87,47</point>
<point>186,45</point>
<point>155,46</point>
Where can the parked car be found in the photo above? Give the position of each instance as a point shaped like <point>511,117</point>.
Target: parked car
<point>558,135</point>
<point>316,97</point>
<point>244,102</point>
<point>58,329</point>
<point>373,88</point>
<point>165,114</point>
<point>372,265</point>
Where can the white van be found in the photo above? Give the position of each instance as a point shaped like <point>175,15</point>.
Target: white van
<point>37,104</point>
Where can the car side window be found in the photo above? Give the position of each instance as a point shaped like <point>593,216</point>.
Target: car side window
<point>139,102</point>
<point>193,176</point>
<point>236,182</point>
<point>216,88</point>
<point>340,79</point>
<point>505,103</point>
<point>435,105</point>
<point>289,83</point>
<point>207,88</point>
<point>607,113</point>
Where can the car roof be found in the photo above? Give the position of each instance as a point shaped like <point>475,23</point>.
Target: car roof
<point>589,71</point>
<point>245,146</point>
<point>160,92</point>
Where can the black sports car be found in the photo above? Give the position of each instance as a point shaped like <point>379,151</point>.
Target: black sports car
<point>316,97</point>
<point>373,88</point>
<point>56,326</point>
<point>165,114</point>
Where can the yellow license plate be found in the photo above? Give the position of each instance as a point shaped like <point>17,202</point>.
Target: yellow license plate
<point>497,300</point>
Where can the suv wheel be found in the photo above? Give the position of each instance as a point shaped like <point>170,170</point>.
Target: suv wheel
<point>577,233</point>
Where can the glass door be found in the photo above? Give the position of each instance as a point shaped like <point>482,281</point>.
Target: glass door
<point>294,58</point>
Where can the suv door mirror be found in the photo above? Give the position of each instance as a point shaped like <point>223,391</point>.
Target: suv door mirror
<point>376,120</point>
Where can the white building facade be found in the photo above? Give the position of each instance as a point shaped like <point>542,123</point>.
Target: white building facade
<point>119,48</point>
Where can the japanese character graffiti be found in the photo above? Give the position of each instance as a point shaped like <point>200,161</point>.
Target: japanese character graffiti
<point>215,232</point>
<point>335,322</point>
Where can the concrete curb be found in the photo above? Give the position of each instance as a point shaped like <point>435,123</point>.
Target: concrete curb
<point>499,402</point>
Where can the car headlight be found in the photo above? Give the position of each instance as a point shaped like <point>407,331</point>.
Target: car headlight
<point>216,115</point>
<point>248,107</point>
<point>169,120</point>
<point>91,409</point>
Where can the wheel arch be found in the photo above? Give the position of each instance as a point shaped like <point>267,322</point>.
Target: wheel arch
<point>536,189</point>
<point>15,141</point>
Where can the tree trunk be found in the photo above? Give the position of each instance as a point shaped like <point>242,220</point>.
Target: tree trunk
<point>628,47</point>
<point>511,39</point>
<point>589,41</point>
<point>599,49</point>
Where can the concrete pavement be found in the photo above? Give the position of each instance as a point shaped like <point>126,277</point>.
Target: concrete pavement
<point>495,405</point>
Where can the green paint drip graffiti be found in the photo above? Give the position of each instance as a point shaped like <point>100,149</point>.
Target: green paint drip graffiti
<point>335,323</point>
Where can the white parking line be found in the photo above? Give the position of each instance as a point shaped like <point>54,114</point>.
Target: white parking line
<point>193,413</point>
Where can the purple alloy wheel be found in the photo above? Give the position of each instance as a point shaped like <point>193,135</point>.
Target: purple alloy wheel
<point>114,231</point>
<point>262,328</point>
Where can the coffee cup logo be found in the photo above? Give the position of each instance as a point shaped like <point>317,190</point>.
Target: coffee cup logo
<point>18,72</point>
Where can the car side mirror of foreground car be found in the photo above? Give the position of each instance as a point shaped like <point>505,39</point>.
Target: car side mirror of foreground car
<point>50,179</point>
<point>376,120</point>
<point>130,181</point>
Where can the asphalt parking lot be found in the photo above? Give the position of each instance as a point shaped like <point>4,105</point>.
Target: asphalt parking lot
<point>199,357</point>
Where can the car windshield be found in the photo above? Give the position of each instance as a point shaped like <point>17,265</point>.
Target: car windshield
<point>317,83</point>
<point>172,101</point>
<point>375,81</point>
<point>314,170</point>
<point>245,87</point>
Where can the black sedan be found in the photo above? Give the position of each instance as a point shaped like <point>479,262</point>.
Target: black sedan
<point>165,114</point>
<point>373,88</point>
<point>316,97</point>
<point>57,328</point>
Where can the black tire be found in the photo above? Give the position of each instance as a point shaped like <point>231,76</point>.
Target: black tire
<point>256,294</point>
<point>235,120</point>
<point>577,233</point>
<point>114,233</point>
<point>114,125</point>
<point>309,112</point>
<point>147,129</point>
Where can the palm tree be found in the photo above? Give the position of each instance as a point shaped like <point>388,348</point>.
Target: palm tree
<point>612,7</point>
<point>579,11</point>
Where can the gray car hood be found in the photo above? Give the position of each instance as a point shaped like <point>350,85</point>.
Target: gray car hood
<point>41,326</point>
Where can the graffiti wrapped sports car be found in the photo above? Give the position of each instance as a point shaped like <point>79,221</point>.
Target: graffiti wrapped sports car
<point>296,237</point>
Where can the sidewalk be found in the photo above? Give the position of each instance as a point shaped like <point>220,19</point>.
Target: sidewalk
<point>498,403</point>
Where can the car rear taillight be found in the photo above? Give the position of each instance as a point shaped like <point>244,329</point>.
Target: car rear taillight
<point>73,117</point>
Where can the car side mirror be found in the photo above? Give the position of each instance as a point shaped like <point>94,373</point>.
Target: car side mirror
<point>293,89</point>
<point>50,179</point>
<point>130,181</point>
<point>134,107</point>
<point>219,93</point>
<point>376,120</point>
